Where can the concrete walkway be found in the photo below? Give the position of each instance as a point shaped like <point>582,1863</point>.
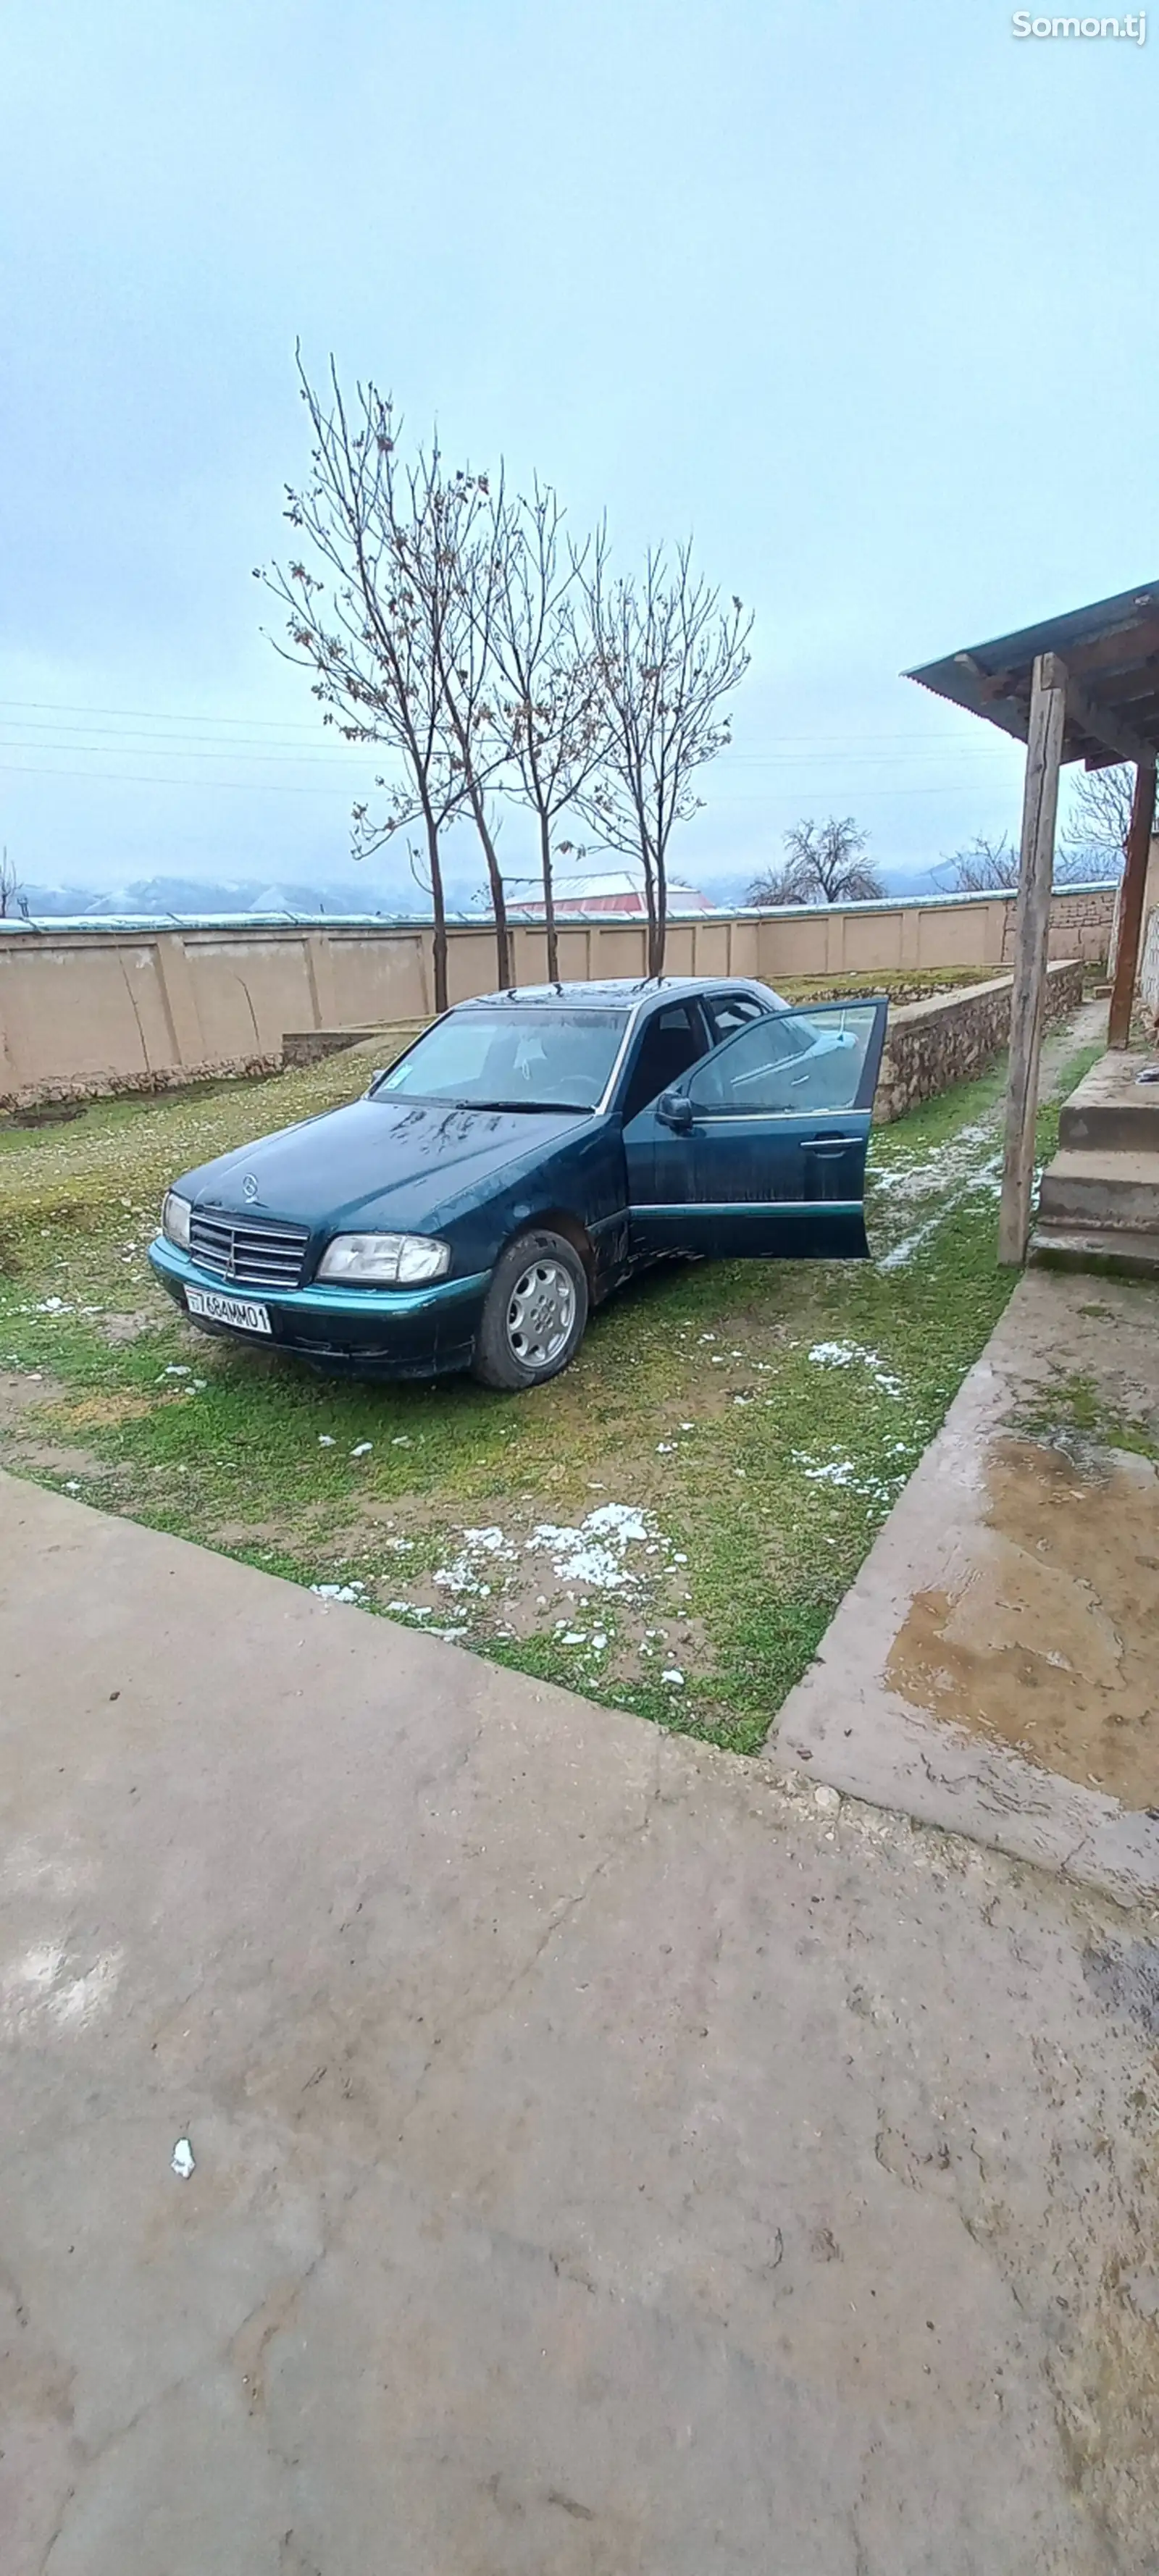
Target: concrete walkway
<point>995,1665</point>
<point>608,2162</point>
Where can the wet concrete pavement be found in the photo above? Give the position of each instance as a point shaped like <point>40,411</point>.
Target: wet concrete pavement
<point>995,1666</point>
<point>608,2160</point>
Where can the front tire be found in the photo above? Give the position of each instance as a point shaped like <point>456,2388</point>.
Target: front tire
<point>535,1315</point>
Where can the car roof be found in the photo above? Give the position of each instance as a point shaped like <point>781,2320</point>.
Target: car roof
<point>620,993</point>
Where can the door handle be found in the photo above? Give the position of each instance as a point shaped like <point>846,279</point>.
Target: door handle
<point>827,1148</point>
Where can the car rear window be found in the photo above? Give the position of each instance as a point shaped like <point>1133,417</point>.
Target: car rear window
<point>534,1058</point>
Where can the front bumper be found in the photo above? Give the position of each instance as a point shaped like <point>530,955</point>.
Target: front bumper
<point>381,1332</point>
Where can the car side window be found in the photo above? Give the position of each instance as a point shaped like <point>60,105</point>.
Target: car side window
<point>673,1039</point>
<point>791,1062</point>
<point>728,1012</point>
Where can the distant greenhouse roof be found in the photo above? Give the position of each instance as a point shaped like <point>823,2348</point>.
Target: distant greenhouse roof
<point>51,925</point>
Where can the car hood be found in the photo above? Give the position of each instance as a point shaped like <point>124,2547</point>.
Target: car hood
<point>395,1161</point>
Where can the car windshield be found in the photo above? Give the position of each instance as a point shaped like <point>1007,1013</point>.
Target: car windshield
<point>536,1058</point>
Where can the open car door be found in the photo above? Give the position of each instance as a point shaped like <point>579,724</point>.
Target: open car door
<point>760,1149</point>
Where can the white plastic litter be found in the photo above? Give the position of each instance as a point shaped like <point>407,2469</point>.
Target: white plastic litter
<point>182,2160</point>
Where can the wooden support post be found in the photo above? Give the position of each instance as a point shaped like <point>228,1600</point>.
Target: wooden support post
<point>1131,906</point>
<point>1031,949</point>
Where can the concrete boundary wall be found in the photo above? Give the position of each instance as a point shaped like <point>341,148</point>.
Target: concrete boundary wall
<point>89,1010</point>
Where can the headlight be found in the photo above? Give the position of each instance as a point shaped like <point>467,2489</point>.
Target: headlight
<point>385,1260</point>
<point>175,1216</point>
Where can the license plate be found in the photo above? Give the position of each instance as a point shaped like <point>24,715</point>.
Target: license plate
<point>241,1312</point>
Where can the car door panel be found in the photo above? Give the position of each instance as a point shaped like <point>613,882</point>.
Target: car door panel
<point>773,1163</point>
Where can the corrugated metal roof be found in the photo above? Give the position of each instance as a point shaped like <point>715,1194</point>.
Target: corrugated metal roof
<point>1111,653</point>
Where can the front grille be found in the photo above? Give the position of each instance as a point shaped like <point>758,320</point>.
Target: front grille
<point>245,1254</point>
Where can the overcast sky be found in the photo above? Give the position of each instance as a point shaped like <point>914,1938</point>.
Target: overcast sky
<point>862,296</point>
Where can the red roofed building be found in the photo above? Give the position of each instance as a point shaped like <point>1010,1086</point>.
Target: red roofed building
<point>616,891</point>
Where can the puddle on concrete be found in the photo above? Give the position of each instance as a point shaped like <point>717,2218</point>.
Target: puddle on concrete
<point>1052,1641</point>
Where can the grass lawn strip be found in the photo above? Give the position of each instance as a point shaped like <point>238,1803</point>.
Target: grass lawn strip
<point>668,1527</point>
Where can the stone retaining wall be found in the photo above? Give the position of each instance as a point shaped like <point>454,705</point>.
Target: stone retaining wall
<point>930,1046</point>
<point>312,1046</point>
<point>1081,919</point>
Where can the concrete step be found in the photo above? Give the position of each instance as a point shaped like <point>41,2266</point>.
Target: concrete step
<point>1101,1189</point>
<point>1111,1110</point>
<point>1113,1253</point>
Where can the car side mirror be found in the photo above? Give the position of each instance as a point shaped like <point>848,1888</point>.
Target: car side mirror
<point>675,1111</point>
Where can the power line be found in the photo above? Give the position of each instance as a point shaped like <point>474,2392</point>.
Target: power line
<point>126,778</point>
<point>138,747</point>
<point>279,725</point>
<point>149,715</point>
<point>272,787</point>
<point>360,757</point>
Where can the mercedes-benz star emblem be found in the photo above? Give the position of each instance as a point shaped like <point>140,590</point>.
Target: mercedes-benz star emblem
<point>249,1187</point>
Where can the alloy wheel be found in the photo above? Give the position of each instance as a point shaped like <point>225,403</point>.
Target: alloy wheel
<point>541,1313</point>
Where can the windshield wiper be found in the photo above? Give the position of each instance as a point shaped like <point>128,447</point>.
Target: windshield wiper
<point>577,1108</point>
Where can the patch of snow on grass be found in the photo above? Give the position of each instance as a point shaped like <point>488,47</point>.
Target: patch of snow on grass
<point>594,1554</point>
<point>841,1471</point>
<point>961,1167</point>
<point>480,1547</point>
<point>957,1158</point>
<point>844,1354</point>
<point>830,1471</point>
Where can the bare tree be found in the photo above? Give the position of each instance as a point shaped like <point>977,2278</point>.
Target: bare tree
<point>550,707</point>
<point>824,863</point>
<point>666,655</point>
<point>366,628</point>
<point>1095,838</point>
<point>783,883</point>
<point>992,867</point>
<point>1078,867</point>
<point>460,568</point>
<point>11,896</point>
<point>986,867</point>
